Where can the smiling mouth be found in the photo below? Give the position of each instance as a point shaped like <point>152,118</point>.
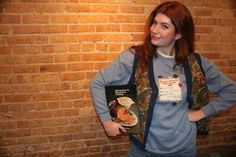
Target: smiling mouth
<point>155,37</point>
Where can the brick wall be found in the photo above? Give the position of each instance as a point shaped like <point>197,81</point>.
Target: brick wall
<point>49,51</point>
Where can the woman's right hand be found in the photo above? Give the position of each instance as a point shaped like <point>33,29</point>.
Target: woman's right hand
<point>112,128</point>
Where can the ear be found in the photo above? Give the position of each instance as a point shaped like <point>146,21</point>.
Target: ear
<point>178,36</point>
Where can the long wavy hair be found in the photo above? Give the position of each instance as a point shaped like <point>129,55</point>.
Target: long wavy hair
<point>182,20</point>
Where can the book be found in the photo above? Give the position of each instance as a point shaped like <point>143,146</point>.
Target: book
<point>121,101</point>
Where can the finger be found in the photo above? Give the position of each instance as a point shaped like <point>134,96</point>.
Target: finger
<point>122,129</point>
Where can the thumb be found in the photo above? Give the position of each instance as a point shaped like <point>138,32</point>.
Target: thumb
<point>122,128</point>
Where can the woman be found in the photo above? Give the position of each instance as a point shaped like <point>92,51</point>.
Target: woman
<point>169,127</point>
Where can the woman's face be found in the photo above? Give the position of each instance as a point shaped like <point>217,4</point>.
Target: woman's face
<point>163,33</point>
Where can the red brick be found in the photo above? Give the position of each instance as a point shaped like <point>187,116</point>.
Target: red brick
<point>5,29</point>
<point>72,95</point>
<point>101,65</point>
<point>18,98</point>
<point>91,37</point>
<point>39,59</point>
<point>46,96</point>
<point>20,40</point>
<point>94,149</point>
<point>10,19</point>
<point>96,142</point>
<point>132,28</point>
<point>88,47</point>
<point>93,1</point>
<point>70,152</point>
<point>34,140</point>
<point>120,19</point>
<point>52,68</point>
<point>65,113</point>
<point>117,37</point>
<point>38,114</point>
<point>94,57</point>
<point>53,105</point>
<point>1,100</point>
<point>93,19</point>
<point>219,3</point>
<point>65,19</point>
<point>8,125</point>
<point>61,47</point>
<point>72,76</point>
<point>211,21</point>
<point>63,39</point>
<point>5,69</point>
<point>5,50</point>
<point>104,9</point>
<point>108,28</point>
<point>202,12</point>
<point>41,123</point>
<point>35,19</point>
<point>26,69</point>
<point>17,133</point>
<point>60,138</point>
<point>223,13</point>
<point>80,85</point>
<point>20,78</point>
<point>60,58</point>
<point>81,28</point>
<point>54,29</point>
<point>29,49</point>
<point>19,8</point>
<point>90,75</point>
<point>194,3</point>
<point>74,48</point>
<point>228,22</point>
<point>136,38</point>
<point>50,77</point>
<point>48,48</point>
<point>12,108</point>
<point>49,8</point>
<point>26,29</point>
<point>79,8</point>
<point>115,47</point>
<point>71,144</point>
<point>210,38</point>
<point>204,29</point>
<point>10,142</point>
<point>132,9</point>
<point>102,47</point>
<point>35,1</point>
<point>79,66</point>
<point>232,62</point>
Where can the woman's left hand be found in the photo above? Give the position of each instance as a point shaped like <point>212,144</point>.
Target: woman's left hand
<point>196,115</point>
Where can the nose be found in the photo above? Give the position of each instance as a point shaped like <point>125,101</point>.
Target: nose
<point>155,28</point>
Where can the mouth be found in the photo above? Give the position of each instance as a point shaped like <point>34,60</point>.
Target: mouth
<point>153,37</point>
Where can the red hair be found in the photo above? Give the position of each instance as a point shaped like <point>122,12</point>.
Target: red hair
<point>182,20</point>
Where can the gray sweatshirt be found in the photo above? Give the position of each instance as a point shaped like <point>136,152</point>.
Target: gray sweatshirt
<point>170,129</point>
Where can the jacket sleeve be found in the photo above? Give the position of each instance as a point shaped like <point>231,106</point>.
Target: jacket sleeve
<point>219,84</point>
<point>117,73</point>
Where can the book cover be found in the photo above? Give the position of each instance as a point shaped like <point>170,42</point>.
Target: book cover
<point>121,101</point>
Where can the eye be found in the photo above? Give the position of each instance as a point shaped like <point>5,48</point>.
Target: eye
<point>164,26</point>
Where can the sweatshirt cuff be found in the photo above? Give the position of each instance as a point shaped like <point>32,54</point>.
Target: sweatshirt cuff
<point>209,110</point>
<point>105,116</point>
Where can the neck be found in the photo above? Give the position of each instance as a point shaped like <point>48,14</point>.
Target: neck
<point>167,52</point>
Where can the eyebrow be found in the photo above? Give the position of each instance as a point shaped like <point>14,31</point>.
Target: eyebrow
<point>162,22</point>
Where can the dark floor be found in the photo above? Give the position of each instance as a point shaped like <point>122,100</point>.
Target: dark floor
<point>219,151</point>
